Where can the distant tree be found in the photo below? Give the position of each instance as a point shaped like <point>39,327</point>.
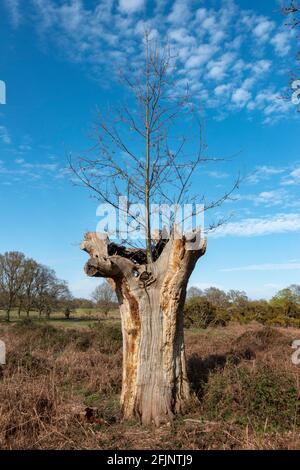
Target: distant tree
<point>216,296</point>
<point>59,296</point>
<point>67,312</point>
<point>239,298</point>
<point>51,293</point>
<point>81,303</point>
<point>289,294</point>
<point>2,299</point>
<point>60,293</point>
<point>29,284</point>
<point>104,296</point>
<point>43,281</point>
<point>288,300</point>
<point>26,284</point>
<point>12,271</point>
<point>193,292</point>
<point>199,313</point>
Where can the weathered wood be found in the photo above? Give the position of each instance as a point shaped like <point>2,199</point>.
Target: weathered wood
<point>151,299</point>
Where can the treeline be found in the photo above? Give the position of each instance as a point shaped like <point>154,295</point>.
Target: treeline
<point>27,285</point>
<point>212,307</point>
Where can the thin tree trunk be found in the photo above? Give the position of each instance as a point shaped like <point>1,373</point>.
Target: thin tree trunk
<point>147,163</point>
<point>151,299</point>
<point>9,307</point>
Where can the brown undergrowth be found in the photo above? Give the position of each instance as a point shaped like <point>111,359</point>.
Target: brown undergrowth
<point>60,389</point>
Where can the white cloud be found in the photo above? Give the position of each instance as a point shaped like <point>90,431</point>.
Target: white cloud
<point>217,174</point>
<point>263,29</point>
<point>240,97</point>
<point>276,197</point>
<point>26,171</point>
<point>200,55</point>
<point>282,43</point>
<point>261,66</point>
<point>182,36</point>
<point>264,172</point>
<point>4,135</point>
<point>222,90</point>
<point>14,11</point>
<point>256,71</point>
<point>271,198</point>
<point>292,179</point>
<point>271,104</point>
<point>209,23</point>
<point>265,267</point>
<point>42,166</point>
<point>131,6</point>
<point>217,68</point>
<point>210,44</point>
<point>280,223</point>
<point>296,174</point>
<point>206,285</point>
<point>180,12</point>
<point>201,14</point>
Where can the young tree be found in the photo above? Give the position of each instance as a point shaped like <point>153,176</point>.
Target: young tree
<point>154,165</point>
<point>104,296</point>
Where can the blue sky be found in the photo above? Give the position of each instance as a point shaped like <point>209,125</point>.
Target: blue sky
<point>58,60</point>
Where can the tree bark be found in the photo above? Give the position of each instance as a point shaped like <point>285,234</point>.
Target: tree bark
<point>8,314</point>
<point>151,299</point>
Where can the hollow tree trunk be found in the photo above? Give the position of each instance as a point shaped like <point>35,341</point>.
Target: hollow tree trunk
<point>151,299</point>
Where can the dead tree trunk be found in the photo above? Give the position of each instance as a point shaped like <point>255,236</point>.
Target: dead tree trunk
<point>151,299</point>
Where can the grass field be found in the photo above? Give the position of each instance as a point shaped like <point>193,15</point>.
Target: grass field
<point>80,318</point>
<point>60,389</point>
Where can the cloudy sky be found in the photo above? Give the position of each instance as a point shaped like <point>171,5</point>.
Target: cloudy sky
<point>59,60</point>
